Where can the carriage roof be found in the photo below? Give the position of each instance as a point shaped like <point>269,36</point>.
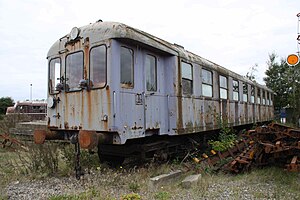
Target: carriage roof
<point>101,31</point>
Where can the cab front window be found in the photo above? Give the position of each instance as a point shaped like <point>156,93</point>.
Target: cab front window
<point>54,74</point>
<point>74,71</point>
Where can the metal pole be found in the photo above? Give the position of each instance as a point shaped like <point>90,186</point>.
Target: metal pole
<point>30,92</point>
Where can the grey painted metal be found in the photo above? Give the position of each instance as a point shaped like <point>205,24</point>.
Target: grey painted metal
<point>130,113</point>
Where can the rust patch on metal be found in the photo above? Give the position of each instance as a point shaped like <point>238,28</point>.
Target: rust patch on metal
<point>40,136</point>
<point>136,127</point>
<point>66,125</point>
<point>179,98</point>
<point>105,125</point>
<point>88,139</point>
<point>108,100</point>
<point>86,53</point>
<point>89,108</point>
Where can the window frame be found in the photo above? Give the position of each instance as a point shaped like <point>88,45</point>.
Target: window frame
<point>267,98</point>
<point>90,67</point>
<point>67,89</point>
<point>60,70</point>
<point>259,99</point>
<point>252,94</point>
<point>155,74</point>
<point>187,78</point>
<point>245,86</point>
<point>264,97</point>
<point>126,85</point>
<point>207,84</point>
<point>234,90</point>
<point>222,88</point>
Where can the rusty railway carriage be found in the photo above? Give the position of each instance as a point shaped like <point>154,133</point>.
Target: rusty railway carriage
<point>33,110</point>
<point>111,85</point>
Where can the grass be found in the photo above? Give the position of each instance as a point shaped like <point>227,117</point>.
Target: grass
<point>132,183</point>
<point>101,182</point>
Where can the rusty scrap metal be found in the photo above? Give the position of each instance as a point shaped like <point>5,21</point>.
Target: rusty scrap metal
<point>8,142</point>
<point>274,144</point>
<point>214,157</point>
<point>294,166</point>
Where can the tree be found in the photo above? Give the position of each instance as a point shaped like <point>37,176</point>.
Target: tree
<point>251,74</point>
<point>284,80</point>
<point>4,103</point>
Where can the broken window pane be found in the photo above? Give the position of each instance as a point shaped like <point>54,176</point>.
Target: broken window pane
<point>235,88</point>
<point>252,94</point>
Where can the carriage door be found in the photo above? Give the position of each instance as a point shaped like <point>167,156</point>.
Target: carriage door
<point>154,101</point>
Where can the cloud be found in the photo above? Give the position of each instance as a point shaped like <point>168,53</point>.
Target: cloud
<point>232,33</point>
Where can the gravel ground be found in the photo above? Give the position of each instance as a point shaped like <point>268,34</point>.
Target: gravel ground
<point>114,184</point>
<point>43,189</point>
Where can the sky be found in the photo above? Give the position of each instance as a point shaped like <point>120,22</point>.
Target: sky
<point>234,34</point>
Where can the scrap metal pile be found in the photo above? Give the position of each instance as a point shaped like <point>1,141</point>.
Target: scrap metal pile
<point>10,143</point>
<point>274,144</point>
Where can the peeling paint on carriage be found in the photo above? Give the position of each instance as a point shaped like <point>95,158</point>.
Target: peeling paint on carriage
<point>133,112</point>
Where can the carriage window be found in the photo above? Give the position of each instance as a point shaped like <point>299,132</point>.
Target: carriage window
<point>245,92</point>
<point>252,94</point>
<point>207,81</point>
<point>150,66</point>
<point>235,85</point>
<point>264,98</point>
<point>54,74</point>
<point>268,98</point>
<point>258,96</point>
<point>187,78</point>
<point>98,66</point>
<point>223,87</point>
<point>74,71</point>
<point>126,67</point>
<point>271,99</point>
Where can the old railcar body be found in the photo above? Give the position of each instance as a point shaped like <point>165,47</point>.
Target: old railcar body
<point>111,83</point>
<point>32,110</point>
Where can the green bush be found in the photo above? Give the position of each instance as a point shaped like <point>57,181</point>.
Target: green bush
<point>225,141</point>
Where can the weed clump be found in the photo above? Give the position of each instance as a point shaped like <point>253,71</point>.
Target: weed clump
<point>226,139</point>
<point>132,196</point>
